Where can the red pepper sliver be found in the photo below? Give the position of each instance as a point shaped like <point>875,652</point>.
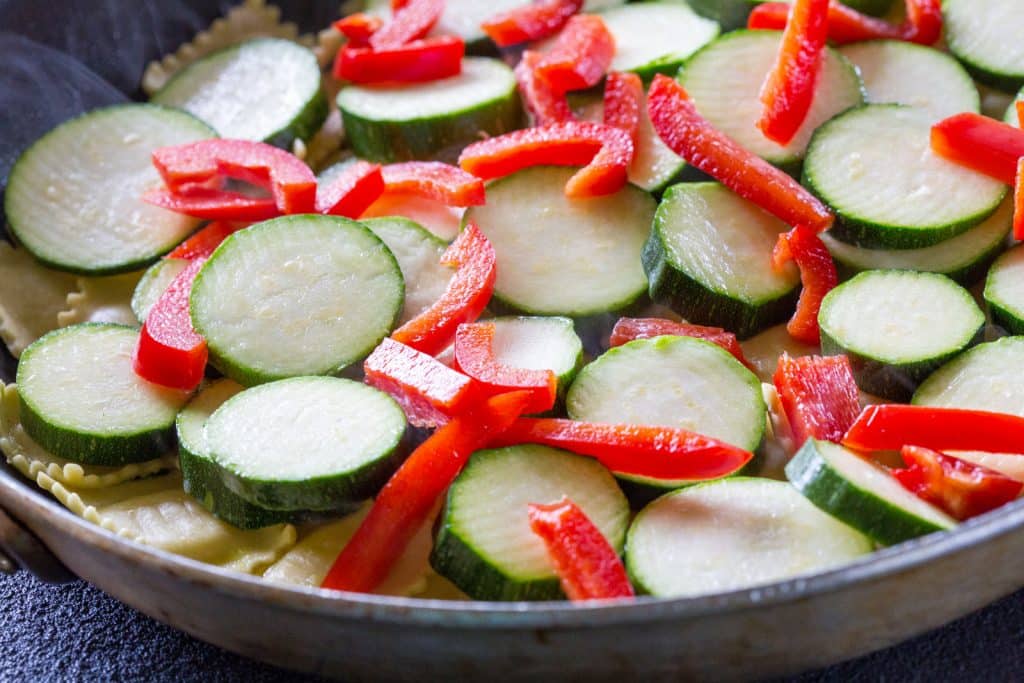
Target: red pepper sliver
<point>983,144</point>
<point>818,275</point>
<point>819,396</point>
<point>424,60</point>
<point>351,191</point>
<point>1020,113</point>
<point>205,241</point>
<point>960,488</point>
<point>845,25</point>
<point>530,22</point>
<point>435,180</point>
<point>924,21</point>
<point>358,28</point>
<point>429,391</point>
<point>411,21</point>
<point>1018,203</point>
<point>891,427</point>
<point>629,329</point>
<point>214,205</point>
<point>474,355</point>
<point>788,91</point>
<point>603,151</point>
<point>653,452</point>
<point>405,502</point>
<point>580,57</point>
<point>623,102</point>
<point>170,352</point>
<point>546,105</point>
<point>689,135</point>
<point>469,291</point>
<point>585,562</point>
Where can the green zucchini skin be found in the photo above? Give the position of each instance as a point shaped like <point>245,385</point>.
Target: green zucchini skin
<point>1006,314</point>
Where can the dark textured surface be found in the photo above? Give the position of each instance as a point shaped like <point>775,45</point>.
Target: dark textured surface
<point>76,633</point>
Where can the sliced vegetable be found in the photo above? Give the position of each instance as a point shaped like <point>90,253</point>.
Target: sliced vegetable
<point>587,565</point>
<point>891,427</point>
<point>656,37</point>
<point>154,282</point>
<point>405,502</point>
<point>544,103</point>
<point>475,356</point>
<point>420,61</point>
<point>978,380</point>
<point>351,191</point>
<point>204,242</point>
<point>214,205</point>
<point>693,138</point>
<point>411,21</point>
<point>444,183</point>
<point>986,39</point>
<point>631,329</point>
<point>358,28</point>
<point>819,396</point>
<point>623,103</point>
<point>818,275</point>
<point>1004,291</point>
<point>546,343</point>
<point>845,24</point>
<point>924,21</point>
<point>530,22</point>
<point>580,57</point>
<point>980,143</point>
<point>1018,193</point>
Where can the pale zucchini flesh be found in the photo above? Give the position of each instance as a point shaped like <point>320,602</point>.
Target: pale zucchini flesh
<point>539,343</point>
<point>656,37</point>
<point>153,284</point>
<point>985,36</point>
<point>985,378</point>
<point>1004,291</point>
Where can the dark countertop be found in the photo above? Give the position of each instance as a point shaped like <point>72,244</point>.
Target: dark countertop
<point>74,632</point>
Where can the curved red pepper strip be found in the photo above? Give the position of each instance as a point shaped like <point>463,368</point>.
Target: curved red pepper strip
<point>845,25</point>
<point>689,135</point>
<point>605,153</point>
<point>891,427</point>
<point>358,28</point>
<point>530,22</point>
<point>411,21</point>
<point>819,396</point>
<point>580,57</point>
<point>403,506</point>
<point>203,243</point>
<point>214,205</point>
<point>959,488</point>
<point>924,22</point>
<point>291,182</point>
<point>817,274</point>
<point>788,90</point>
<point>1018,193</point>
<point>474,355</point>
<point>623,103</point>
<point>351,191</point>
<point>583,559</point>
<point>430,59</point>
<point>654,452</point>
<point>469,291</point>
<point>441,182</point>
<point>629,329</point>
<point>546,105</point>
<point>169,351</point>
<point>988,146</point>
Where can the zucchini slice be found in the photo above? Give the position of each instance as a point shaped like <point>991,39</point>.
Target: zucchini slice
<point>656,37</point>
<point>431,120</point>
<point>201,477</point>
<point>985,36</point>
<point>298,295</point>
<point>709,259</point>
<point>307,443</point>
<point>897,327</point>
<point>724,79</point>
<point>862,494</point>
<point>74,198</point>
<point>82,401</point>
<point>734,534</point>
<point>153,284</point>
<point>964,258</point>
<point>672,382</point>
<point>539,343</point>
<point>485,545</point>
<point>559,256</point>
<point>1004,291</point>
<point>266,90</point>
<point>985,378</point>
<point>898,72</point>
<point>875,167</point>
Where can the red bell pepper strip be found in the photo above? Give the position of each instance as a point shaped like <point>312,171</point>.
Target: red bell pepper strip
<point>441,182</point>
<point>530,22</point>
<point>580,57</point>
<point>959,488</point>
<point>411,21</point>
<point>629,329</point>
<point>1020,113</point>
<point>585,562</point>
<point>469,291</point>
<point>214,205</point>
<point>623,102</point>
<point>352,191</point>
<point>845,25</point>
<point>988,146</point>
<point>689,135</point>
<point>203,243</point>
<point>405,502</point>
<point>546,105</point>
<point>474,355</point>
<point>358,28</point>
<point>924,22</point>
<point>291,182</point>
<point>817,274</point>
<point>430,59</point>
<point>604,152</point>
<point>788,90</point>
<point>169,351</point>
<point>819,396</point>
<point>891,427</point>
<point>1018,202</point>
<point>666,453</point>
<point>429,391</point>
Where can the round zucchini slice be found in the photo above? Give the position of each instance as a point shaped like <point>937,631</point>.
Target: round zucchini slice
<point>1004,291</point>
<point>985,378</point>
<point>153,284</point>
<point>985,36</point>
